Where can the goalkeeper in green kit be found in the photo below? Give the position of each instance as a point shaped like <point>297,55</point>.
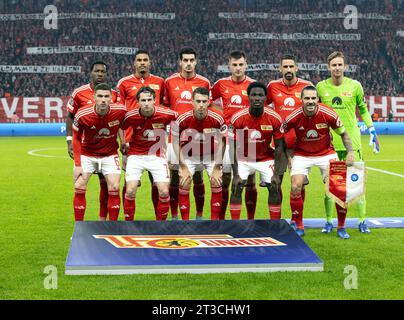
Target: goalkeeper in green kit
<point>343,95</point>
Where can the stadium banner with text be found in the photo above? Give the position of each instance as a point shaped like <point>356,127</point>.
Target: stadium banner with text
<point>345,184</point>
<point>300,16</point>
<point>80,49</point>
<point>39,69</point>
<point>304,66</point>
<point>285,36</point>
<point>53,109</point>
<point>123,247</point>
<point>90,15</point>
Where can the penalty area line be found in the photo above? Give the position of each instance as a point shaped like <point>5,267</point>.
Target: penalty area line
<point>34,153</point>
<point>386,172</point>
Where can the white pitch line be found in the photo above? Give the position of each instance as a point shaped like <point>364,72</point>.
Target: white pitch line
<point>33,153</point>
<point>386,172</point>
<point>384,160</point>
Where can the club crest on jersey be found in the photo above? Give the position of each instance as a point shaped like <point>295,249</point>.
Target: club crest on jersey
<point>104,132</point>
<point>289,102</point>
<point>113,123</point>
<point>321,126</point>
<point>346,94</point>
<point>186,95</point>
<point>266,128</point>
<point>311,134</point>
<point>158,125</point>
<point>244,92</point>
<point>298,95</point>
<point>236,99</point>
<point>186,241</point>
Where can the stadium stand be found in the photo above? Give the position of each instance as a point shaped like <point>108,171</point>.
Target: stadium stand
<point>378,54</point>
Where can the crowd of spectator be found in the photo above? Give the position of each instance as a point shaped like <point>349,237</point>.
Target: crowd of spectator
<point>378,55</point>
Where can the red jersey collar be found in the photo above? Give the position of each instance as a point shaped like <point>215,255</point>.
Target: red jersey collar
<point>283,81</point>
<point>95,111</point>
<point>238,82</point>
<point>187,78</point>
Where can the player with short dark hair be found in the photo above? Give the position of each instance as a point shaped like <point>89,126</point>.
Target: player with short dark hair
<point>251,132</point>
<point>128,88</point>
<point>95,148</point>
<point>178,97</point>
<point>197,143</point>
<point>147,149</point>
<point>312,123</point>
<point>344,95</point>
<point>83,97</point>
<point>231,95</point>
<point>284,95</point>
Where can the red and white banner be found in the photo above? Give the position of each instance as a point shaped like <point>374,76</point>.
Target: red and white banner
<point>53,109</point>
<point>345,184</point>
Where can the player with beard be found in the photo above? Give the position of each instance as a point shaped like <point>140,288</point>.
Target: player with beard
<point>284,95</point>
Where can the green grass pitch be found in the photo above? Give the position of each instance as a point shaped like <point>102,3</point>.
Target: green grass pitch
<point>36,218</point>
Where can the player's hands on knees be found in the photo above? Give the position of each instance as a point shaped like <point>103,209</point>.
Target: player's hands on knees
<point>185,176</point>
<point>350,158</point>
<point>77,172</point>
<point>216,178</point>
<point>70,149</point>
<point>276,182</point>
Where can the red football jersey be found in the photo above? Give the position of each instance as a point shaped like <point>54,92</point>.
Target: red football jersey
<point>149,134</point>
<point>200,136</point>
<point>98,134</point>
<point>130,85</point>
<point>313,134</point>
<point>84,97</point>
<point>233,95</point>
<point>285,100</point>
<point>178,91</point>
<point>254,135</point>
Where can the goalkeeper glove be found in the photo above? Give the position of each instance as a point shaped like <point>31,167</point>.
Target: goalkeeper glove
<point>374,141</point>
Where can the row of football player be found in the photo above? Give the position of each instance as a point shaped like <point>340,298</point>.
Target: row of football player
<point>176,92</point>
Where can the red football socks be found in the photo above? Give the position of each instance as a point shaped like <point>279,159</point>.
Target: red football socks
<point>129,207</point>
<point>341,213</point>
<point>163,207</point>
<point>296,205</point>
<point>199,194</point>
<point>79,204</point>
<point>216,203</point>
<point>274,211</point>
<point>114,205</point>
<point>235,211</point>
<point>250,200</point>
<point>183,198</point>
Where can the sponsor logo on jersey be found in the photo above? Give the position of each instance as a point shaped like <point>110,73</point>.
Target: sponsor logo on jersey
<point>321,126</point>
<point>186,95</point>
<point>104,132</point>
<point>255,134</point>
<point>289,102</point>
<point>167,242</point>
<point>154,86</point>
<point>148,133</point>
<point>113,123</point>
<point>311,134</point>
<point>266,128</point>
<point>236,99</point>
<point>336,101</point>
<point>158,125</point>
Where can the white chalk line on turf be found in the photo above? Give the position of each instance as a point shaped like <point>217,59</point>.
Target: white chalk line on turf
<point>386,172</point>
<point>34,153</point>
